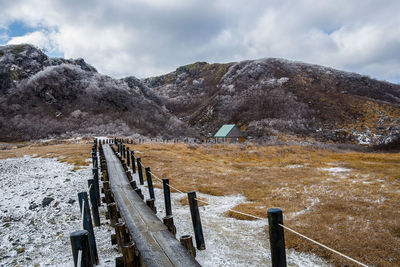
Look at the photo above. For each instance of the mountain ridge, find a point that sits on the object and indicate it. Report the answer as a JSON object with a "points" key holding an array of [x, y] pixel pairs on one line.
{"points": [[271, 99], [264, 91]]}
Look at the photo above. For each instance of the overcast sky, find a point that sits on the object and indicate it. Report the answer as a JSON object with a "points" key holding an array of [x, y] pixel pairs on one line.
{"points": [[152, 37]]}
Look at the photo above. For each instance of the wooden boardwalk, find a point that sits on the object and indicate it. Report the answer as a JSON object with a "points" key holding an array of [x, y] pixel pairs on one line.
{"points": [[157, 246]]}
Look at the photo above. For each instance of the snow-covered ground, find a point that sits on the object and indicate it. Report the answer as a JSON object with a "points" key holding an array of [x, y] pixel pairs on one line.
{"points": [[35, 235]]}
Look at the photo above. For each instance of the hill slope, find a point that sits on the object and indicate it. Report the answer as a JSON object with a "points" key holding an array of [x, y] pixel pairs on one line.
{"points": [[274, 97], [268, 98], [42, 97]]}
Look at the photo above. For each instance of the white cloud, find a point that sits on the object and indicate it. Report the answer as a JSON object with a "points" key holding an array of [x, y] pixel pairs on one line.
{"points": [[40, 39], [145, 38]]}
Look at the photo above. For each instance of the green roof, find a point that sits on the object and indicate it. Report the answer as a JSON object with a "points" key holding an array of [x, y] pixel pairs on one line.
{"points": [[226, 129]]}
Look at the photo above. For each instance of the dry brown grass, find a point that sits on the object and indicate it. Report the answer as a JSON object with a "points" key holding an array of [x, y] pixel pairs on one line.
{"points": [[185, 201], [72, 153], [356, 212]]}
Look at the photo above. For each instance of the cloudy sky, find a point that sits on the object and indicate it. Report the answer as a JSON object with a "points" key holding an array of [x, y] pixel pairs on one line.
{"points": [[151, 37]]}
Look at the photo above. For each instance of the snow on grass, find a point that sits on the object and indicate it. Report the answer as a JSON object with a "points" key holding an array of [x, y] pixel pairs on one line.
{"points": [[336, 170], [33, 233], [229, 242]]}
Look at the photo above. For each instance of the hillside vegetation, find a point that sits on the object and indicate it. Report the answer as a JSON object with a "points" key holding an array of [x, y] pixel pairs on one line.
{"points": [[271, 97]]}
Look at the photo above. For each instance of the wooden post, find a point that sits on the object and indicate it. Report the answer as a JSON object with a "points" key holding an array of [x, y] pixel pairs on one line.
{"points": [[150, 183], [108, 196], [119, 262], [140, 171], [133, 184], [276, 238], [106, 185], [94, 159], [139, 192], [120, 232], [129, 254], [169, 222], [128, 158], [167, 197], [80, 242], [133, 161], [114, 239], [113, 213], [87, 224], [194, 211], [187, 242], [129, 175], [150, 203], [96, 185], [93, 201], [123, 151]]}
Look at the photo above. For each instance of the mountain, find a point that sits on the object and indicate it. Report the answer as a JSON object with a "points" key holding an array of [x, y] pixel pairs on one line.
{"points": [[42, 97], [276, 97], [270, 99]]}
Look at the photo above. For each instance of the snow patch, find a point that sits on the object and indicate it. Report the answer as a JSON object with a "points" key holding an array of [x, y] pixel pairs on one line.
{"points": [[336, 170], [31, 233]]}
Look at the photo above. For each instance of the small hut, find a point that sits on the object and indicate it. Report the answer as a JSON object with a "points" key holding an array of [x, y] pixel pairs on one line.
{"points": [[230, 133]]}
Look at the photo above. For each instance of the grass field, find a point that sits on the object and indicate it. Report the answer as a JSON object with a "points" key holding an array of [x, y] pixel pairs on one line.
{"points": [[77, 153], [349, 201]]}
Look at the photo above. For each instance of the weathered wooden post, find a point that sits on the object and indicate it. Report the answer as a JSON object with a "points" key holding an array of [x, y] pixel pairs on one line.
{"points": [[129, 175], [187, 242], [94, 159], [133, 184], [112, 207], [167, 197], [149, 183], [276, 238], [80, 242], [133, 161], [129, 254], [93, 201], [139, 192], [140, 171], [194, 211], [96, 185], [150, 204], [108, 196], [169, 222], [87, 224], [128, 158], [120, 232]]}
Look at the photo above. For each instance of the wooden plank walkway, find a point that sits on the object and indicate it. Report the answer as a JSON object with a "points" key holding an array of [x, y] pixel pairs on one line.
{"points": [[157, 246]]}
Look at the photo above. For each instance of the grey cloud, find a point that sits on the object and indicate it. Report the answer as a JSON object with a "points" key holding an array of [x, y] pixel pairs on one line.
{"points": [[146, 38]]}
